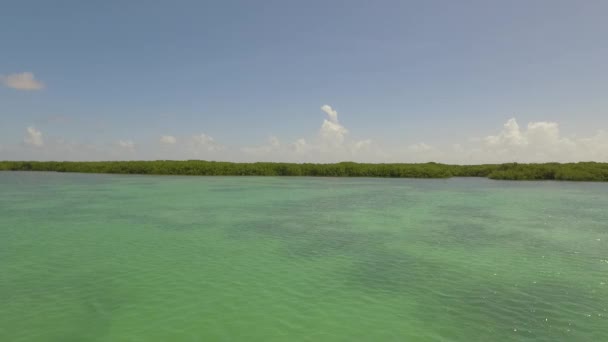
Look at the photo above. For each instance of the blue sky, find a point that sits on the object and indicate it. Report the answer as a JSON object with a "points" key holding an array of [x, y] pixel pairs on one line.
{"points": [[410, 80]]}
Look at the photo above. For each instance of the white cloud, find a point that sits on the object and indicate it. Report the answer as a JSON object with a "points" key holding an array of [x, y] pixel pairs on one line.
{"points": [[330, 145], [509, 136], [22, 81], [332, 132], [301, 146], [168, 140], [362, 145], [58, 149], [33, 137], [596, 147], [333, 115], [540, 141], [537, 142], [127, 145], [420, 147], [204, 142], [273, 146]]}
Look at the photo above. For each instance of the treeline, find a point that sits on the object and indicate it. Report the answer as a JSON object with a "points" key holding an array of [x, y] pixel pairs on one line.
{"points": [[587, 171]]}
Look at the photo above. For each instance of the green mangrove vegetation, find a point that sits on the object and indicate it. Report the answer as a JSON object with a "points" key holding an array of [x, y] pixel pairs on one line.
{"points": [[583, 171]]}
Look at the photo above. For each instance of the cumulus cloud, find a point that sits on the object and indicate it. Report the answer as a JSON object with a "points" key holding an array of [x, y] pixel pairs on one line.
{"points": [[509, 136], [331, 113], [336, 145], [596, 147], [33, 137], [273, 146], [362, 145], [330, 145], [39, 146], [301, 145], [22, 81], [540, 141], [332, 131], [198, 146], [204, 142], [127, 145], [537, 142], [168, 140]]}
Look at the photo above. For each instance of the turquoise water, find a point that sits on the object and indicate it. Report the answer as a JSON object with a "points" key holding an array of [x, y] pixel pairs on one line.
{"points": [[144, 258]]}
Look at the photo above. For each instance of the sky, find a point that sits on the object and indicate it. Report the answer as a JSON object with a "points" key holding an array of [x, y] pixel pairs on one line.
{"points": [[305, 81]]}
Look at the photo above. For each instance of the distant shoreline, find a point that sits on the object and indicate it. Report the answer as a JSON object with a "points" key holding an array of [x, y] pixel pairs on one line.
{"points": [[583, 171]]}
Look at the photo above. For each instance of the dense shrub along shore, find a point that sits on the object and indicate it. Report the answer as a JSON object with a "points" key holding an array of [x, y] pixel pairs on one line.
{"points": [[584, 171]]}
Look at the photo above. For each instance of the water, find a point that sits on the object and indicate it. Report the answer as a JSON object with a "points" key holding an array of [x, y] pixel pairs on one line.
{"points": [[146, 258]]}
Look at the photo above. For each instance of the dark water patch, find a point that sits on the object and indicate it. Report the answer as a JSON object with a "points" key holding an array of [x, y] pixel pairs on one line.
{"points": [[466, 233], [383, 270], [100, 296], [308, 240], [139, 220], [539, 310]]}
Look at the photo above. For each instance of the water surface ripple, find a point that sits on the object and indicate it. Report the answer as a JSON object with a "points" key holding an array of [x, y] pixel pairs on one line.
{"points": [[147, 258]]}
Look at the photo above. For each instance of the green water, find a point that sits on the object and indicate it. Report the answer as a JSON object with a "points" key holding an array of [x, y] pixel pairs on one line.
{"points": [[145, 258]]}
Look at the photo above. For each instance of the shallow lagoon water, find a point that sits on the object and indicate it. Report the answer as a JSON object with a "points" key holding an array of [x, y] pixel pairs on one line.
{"points": [[158, 258]]}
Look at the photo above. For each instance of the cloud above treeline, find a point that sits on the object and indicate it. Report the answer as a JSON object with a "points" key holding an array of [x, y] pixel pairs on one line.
{"points": [[168, 140], [33, 137], [22, 81], [540, 142], [534, 142]]}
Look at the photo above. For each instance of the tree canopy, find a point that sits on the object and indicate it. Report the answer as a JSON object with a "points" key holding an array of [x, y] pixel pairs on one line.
{"points": [[583, 171]]}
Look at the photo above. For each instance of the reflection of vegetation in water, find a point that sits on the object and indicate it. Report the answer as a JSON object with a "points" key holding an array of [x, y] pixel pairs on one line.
{"points": [[587, 171]]}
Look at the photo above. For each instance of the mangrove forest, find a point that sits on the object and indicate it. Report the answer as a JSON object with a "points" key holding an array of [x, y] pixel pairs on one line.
{"points": [[582, 171]]}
